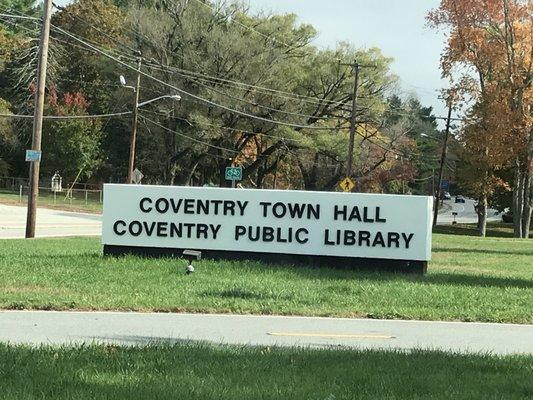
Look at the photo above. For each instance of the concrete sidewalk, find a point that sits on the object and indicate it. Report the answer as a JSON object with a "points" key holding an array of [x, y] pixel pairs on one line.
{"points": [[49, 223], [49, 327]]}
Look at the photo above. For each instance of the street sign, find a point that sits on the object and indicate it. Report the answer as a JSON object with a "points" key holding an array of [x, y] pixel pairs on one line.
{"points": [[347, 184], [233, 173], [137, 176], [155, 219], [33, 155], [445, 184]]}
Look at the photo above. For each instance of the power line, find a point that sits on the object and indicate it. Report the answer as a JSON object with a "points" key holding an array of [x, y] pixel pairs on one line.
{"points": [[255, 104], [96, 49], [19, 16], [150, 63], [213, 89], [224, 148], [237, 130], [190, 137], [279, 93], [243, 86], [427, 178], [35, 19], [275, 92], [395, 112], [185, 93], [183, 72], [65, 117], [196, 80], [72, 44], [365, 138], [87, 23]]}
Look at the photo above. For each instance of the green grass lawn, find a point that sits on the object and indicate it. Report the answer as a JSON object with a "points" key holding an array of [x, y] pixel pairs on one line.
{"points": [[469, 279], [46, 200], [198, 371]]}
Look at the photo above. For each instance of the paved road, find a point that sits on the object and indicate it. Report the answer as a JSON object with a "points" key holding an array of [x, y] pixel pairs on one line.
{"points": [[48, 327], [466, 213], [49, 223]]}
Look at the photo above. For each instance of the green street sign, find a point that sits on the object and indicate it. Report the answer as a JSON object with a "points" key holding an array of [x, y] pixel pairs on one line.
{"points": [[234, 173]]}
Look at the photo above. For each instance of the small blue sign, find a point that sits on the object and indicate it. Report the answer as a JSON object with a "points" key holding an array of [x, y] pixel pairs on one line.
{"points": [[445, 184], [33, 155]]}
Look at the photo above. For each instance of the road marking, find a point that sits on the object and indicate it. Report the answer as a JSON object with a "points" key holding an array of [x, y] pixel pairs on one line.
{"points": [[329, 335]]}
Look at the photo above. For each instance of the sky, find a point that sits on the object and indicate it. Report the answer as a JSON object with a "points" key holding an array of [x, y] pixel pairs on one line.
{"points": [[397, 27]]}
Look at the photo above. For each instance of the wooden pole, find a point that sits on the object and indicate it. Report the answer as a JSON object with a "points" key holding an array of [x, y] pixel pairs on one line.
{"points": [[38, 118], [133, 138], [353, 121], [442, 161]]}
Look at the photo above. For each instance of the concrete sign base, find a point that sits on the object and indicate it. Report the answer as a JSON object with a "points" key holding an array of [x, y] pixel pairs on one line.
{"points": [[371, 264]]}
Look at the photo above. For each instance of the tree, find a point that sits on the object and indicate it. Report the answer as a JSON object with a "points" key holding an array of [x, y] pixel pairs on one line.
{"points": [[97, 77], [420, 127], [261, 96], [493, 38], [27, 7], [8, 139], [70, 146], [307, 87]]}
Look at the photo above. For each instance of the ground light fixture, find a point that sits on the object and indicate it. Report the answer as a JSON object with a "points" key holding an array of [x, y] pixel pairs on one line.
{"points": [[191, 255]]}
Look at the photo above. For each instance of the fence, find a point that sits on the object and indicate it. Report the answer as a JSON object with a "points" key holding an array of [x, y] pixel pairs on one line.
{"points": [[80, 194]]}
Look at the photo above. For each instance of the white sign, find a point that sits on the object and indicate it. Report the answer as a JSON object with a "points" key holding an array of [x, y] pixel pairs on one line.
{"points": [[268, 221], [137, 176]]}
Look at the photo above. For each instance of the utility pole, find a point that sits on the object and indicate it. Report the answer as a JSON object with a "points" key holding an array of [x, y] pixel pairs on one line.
{"points": [[356, 67], [232, 164], [442, 160], [133, 138], [432, 181], [38, 118], [353, 119]]}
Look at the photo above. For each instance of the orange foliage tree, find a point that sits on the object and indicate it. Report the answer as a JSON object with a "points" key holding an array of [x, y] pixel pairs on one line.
{"points": [[488, 57]]}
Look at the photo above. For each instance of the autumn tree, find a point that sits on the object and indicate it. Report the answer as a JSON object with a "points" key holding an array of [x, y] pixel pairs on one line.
{"points": [[71, 146], [491, 40]]}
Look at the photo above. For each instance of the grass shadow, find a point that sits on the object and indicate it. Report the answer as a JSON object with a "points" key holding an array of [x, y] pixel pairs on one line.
{"points": [[431, 278], [247, 294], [442, 278], [482, 251], [144, 341]]}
